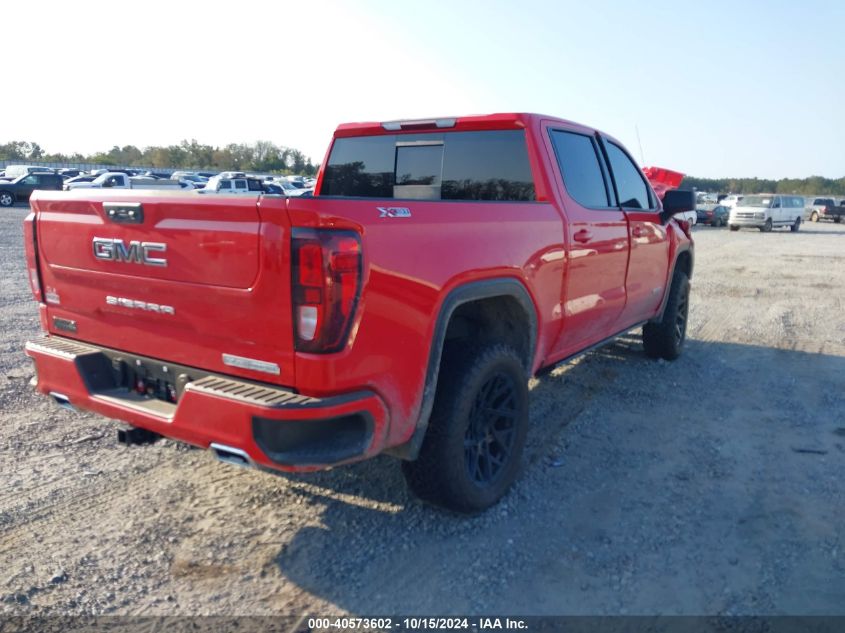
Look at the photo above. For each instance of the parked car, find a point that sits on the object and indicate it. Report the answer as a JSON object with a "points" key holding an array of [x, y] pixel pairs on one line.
{"points": [[824, 209], [160, 175], [383, 315], [10, 172], [274, 188], [82, 178], [731, 200], [768, 211], [716, 216], [239, 184], [197, 180], [20, 189], [289, 189], [119, 180]]}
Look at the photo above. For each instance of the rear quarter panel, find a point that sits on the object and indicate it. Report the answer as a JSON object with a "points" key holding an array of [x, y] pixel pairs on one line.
{"points": [[410, 266]]}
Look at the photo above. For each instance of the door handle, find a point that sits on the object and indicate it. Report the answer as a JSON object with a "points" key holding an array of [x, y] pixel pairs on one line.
{"points": [[637, 231], [582, 236]]}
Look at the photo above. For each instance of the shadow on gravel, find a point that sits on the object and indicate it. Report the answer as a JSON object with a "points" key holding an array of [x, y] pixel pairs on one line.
{"points": [[708, 485]]}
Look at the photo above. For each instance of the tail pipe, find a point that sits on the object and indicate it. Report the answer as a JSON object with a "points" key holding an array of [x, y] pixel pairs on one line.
{"points": [[62, 400], [230, 455]]}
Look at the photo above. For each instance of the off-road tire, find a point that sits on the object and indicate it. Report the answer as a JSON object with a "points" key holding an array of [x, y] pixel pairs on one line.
{"points": [[451, 461], [665, 339], [796, 226], [7, 199]]}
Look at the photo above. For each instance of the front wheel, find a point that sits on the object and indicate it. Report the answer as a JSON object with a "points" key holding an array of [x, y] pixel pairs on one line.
{"points": [[665, 339], [6, 199], [473, 447], [796, 225], [767, 227]]}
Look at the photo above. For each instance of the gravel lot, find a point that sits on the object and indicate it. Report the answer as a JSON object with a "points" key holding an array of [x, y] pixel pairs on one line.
{"points": [[710, 485]]}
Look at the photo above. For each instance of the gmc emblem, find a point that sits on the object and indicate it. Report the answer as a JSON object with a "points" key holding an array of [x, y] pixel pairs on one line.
{"points": [[137, 252]]}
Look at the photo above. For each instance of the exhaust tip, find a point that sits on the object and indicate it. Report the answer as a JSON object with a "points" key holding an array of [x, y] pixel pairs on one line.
{"points": [[230, 455], [62, 400]]}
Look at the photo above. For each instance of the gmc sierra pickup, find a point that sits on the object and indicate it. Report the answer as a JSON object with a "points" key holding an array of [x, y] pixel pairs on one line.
{"points": [[401, 309]]}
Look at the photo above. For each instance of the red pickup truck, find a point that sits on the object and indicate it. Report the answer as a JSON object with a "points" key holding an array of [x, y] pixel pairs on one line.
{"points": [[402, 309]]}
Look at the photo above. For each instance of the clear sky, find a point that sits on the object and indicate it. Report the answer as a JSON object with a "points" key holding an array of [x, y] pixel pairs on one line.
{"points": [[715, 88]]}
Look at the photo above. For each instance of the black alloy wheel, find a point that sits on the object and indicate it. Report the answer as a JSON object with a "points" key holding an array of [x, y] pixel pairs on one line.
{"points": [[490, 434]]}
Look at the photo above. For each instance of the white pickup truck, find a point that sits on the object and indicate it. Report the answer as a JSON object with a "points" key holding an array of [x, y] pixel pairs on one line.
{"points": [[119, 180]]}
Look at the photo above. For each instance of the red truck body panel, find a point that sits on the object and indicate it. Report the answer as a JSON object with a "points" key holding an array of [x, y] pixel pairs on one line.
{"points": [[589, 276], [227, 277]]}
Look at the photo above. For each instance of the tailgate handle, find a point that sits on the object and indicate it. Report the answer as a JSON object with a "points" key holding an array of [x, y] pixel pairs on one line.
{"points": [[124, 212]]}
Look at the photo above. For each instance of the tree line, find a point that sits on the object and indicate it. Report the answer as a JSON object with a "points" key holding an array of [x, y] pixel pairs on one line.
{"points": [[261, 156], [814, 185]]}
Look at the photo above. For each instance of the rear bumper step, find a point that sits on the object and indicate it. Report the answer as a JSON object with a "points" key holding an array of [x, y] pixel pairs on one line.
{"points": [[243, 422]]}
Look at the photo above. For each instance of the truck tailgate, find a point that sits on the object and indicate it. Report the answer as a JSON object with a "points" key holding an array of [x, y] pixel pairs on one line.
{"points": [[197, 280]]}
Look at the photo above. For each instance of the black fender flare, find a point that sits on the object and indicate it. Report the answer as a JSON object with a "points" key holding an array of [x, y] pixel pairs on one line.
{"points": [[472, 291]]}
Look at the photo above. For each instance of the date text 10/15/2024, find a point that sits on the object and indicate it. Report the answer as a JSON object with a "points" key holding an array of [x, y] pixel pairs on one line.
{"points": [[416, 624]]}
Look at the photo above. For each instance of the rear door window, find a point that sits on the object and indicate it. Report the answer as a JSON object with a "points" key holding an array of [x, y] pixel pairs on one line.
{"points": [[486, 165], [580, 166]]}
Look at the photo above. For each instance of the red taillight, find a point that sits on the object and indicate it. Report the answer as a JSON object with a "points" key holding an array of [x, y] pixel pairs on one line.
{"points": [[30, 247], [326, 284]]}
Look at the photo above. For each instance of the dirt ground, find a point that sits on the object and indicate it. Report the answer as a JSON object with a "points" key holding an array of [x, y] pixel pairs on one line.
{"points": [[712, 485]]}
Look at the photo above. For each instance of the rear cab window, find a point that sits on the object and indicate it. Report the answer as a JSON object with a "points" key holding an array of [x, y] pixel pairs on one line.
{"points": [[483, 165]]}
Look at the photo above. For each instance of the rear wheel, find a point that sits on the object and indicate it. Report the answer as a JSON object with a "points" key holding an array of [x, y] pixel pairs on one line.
{"points": [[796, 225], [473, 447], [6, 199], [814, 217], [665, 339]]}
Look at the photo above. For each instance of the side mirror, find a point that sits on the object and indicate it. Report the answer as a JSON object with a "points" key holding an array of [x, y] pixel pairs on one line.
{"points": [[677, 201]]}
